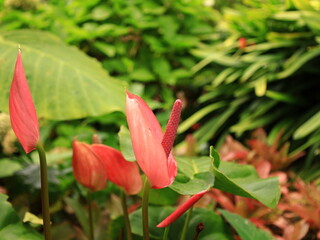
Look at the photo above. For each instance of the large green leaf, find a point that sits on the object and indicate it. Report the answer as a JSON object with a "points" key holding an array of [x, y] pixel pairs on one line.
{"points": [[194, 175], [214, 227], [245, 228], [244, 181], [64, 82]]}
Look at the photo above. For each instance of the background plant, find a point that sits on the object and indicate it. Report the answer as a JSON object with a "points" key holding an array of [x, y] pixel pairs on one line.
{"points": [[160, 50]]}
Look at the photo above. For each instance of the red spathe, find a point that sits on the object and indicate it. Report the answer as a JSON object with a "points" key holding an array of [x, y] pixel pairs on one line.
{"points": [[121, 172], [22, 111], [87, 167], [146, 135]]}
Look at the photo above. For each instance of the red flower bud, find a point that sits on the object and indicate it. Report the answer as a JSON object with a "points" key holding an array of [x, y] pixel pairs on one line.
{"points": [[88, 167], [22, 111]]}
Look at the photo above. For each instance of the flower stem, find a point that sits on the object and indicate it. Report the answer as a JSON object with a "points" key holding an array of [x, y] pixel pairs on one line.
{"points": [[91, 231], [145, 202], [166, 233], [126, 215], [186, 224], [44, 192]]}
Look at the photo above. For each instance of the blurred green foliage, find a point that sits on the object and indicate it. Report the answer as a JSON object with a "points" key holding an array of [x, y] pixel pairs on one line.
{"points": [[145, 42], [264, 74]]}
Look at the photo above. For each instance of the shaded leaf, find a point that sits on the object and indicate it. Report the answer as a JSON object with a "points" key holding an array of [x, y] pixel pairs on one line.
{"points": [[245, 228]]}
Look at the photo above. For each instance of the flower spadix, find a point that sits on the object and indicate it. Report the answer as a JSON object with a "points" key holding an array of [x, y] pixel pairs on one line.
{"points": [[22, 111], [120, 172], [151, 146], [88, 167]]}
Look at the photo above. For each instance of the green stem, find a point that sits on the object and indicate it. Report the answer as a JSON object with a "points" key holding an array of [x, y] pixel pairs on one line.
{"points": [[145, 202], [186, 224], [126, 215], [91, 231], [44, 192], [166, 233]]}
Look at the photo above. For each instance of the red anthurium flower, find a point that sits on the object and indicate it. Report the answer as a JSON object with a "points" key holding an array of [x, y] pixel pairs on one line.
{"points": [[121, 172], [88, 167], [23, 115], [181, 210], [151, 147]]}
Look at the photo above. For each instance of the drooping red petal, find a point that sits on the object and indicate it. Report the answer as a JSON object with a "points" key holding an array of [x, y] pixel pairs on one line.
{"points": [[121, 172], [146, 136], [181, 210], [22, 111], [88, 168]]}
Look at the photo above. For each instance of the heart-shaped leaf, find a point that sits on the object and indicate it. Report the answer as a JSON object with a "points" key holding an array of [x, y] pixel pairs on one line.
{"points": [[194, 175], [64, 82], [198, 174], [244, 181]]}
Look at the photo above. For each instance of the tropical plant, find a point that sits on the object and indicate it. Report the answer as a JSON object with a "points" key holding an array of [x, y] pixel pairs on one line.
{"points": [[267, 66]]}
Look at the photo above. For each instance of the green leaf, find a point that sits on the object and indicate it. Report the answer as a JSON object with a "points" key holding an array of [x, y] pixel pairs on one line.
{"points": [[307, 56], [80, 212], [215, 157], [8, 215], [185, 125], [8, 167], [308, 127], [64, 82], [156, 215], [243, 180], [19, 231], [260, 86], [245, 228], [193, 176], [108, 49], [164, 196], [214, 226], [10, 225], [282, 97], [142, 74], [126, 144], [101, 13]]}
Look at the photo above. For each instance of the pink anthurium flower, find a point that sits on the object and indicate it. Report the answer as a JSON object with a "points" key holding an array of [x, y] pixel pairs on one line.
{"points": [[22, 111], [88, 167], [121, 172], [151, 146], [181, 210]]}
